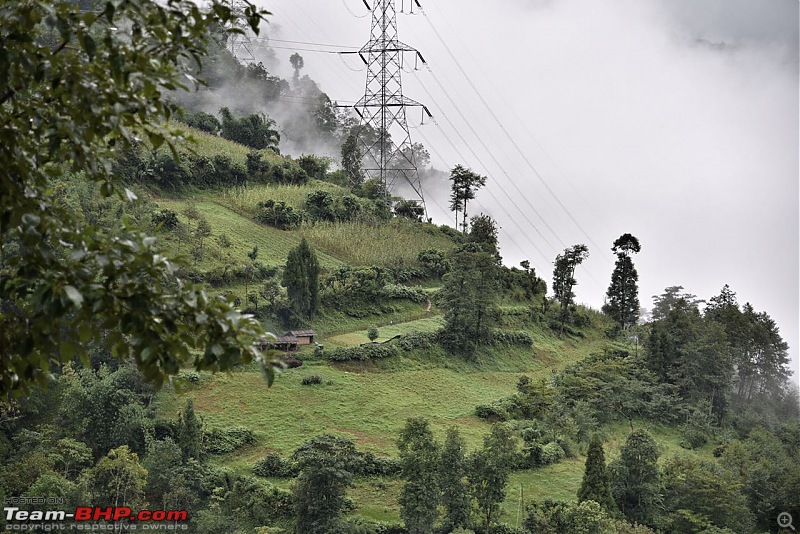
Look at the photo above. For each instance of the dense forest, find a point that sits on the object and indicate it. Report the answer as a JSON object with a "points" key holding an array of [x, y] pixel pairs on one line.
{"points": [[150, 241]]}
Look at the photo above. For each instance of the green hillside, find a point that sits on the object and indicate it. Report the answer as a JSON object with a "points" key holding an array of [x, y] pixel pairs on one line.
{"points": [[367, 402]]}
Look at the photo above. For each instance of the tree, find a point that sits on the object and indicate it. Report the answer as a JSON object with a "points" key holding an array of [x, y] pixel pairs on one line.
{"points": [[202, 232], [301, 279], [662, 304], [483, 230], [190, 433], [587, 517], [453, 469], [77, 88], [623, 293], [270, 292], [256, 131], [596, 485], [372, 333], [692, 353], [762, 360], [468, 298], [419, 462], [118, 479], [297, 64], [465, 184], [635, 478], [162, 461], [491, 467], [248, 273], [707, 490], [564, 277], [326, 471]]}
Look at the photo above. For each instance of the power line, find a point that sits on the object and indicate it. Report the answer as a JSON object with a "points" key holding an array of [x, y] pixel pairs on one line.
{"points": [[508, 136], [308, 50], [488, 190], [270, 39], [509, 237], [499, 165]]}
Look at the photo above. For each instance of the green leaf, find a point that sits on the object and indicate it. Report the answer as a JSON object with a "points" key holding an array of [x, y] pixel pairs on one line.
{"points": [[67, 350], [74, 295]]}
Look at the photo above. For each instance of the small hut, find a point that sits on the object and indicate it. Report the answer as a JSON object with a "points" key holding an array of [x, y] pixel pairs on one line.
{"points": [[285, 343], [304, 337]]}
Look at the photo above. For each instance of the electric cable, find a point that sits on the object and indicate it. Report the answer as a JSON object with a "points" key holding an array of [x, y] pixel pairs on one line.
{"points": [[509, 137]]}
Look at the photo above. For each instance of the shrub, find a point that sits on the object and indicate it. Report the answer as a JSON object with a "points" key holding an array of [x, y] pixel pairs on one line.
{"points": [[256, 131], [166, 171], [192, 377], [289, 172], [314, 166], [417, 340], [401, 275], [292, 363], [434, 262], [226, 441], [226, 172], [311, 380], [372, 333], [277, 214], [273, 466], [454, 235], [504, 528], [362, 353], [205, 122], [409, 209], [382, 466], [532, 452], [398, 292], [166, 219], [552, 453], [224, 241], [693, 439], [568, 446], [505, 337], [496, 411], [319, 205], [581, 320], [257, 169]]}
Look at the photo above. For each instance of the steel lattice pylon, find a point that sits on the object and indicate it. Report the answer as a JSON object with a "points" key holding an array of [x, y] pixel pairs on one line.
{"points": [[239, 44], [384, 139]]}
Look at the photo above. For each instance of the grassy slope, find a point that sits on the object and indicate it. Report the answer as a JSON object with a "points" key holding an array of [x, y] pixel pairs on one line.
{"points": [[369, 402]]}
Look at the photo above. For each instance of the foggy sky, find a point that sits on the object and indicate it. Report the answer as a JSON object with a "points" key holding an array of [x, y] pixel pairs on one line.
{"points": [[674, 120]]}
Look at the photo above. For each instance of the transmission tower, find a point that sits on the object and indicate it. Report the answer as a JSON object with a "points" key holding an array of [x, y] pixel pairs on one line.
{"points": [[384, 137], [239, 44]]}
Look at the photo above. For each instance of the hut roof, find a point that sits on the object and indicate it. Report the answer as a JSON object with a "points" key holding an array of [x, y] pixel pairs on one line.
{"points": [[301, 333]]}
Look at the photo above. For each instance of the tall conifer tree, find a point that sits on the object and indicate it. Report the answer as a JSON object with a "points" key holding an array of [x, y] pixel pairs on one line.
{"points": [[596, 485], [623, 293], [301, 279]]}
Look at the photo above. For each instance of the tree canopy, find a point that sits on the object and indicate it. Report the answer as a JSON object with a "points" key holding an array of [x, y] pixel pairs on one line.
{"points": [[465, 183], [76, 87], [564, 277]]}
